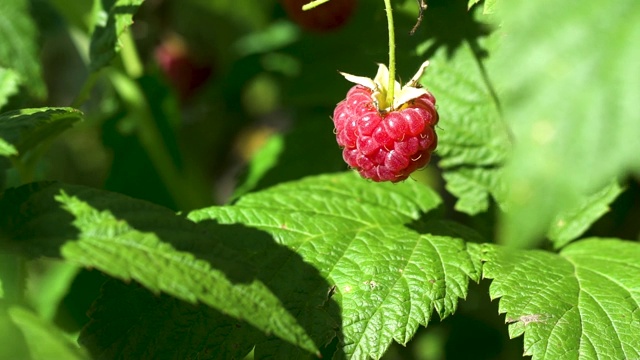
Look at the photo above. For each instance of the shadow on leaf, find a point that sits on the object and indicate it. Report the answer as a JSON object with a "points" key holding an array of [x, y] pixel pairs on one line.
{"points": [[170, 255]]}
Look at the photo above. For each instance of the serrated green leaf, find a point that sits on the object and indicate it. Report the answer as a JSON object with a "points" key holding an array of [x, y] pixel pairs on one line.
{"points": [[583, 303], [568, 225], [109, 25], [129, 322], [133, 239], [388, 278], [18, 45], [26, 128], [472, 140], [572, 104], [44, 340], [9, 81]]}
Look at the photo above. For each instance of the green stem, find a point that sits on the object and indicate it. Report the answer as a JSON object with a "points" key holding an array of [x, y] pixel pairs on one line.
{"points": [[392, 53], [184, 191], [129, 55]]}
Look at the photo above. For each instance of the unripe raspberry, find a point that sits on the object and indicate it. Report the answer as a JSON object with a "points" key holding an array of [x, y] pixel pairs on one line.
{"points": [[386, 143]]}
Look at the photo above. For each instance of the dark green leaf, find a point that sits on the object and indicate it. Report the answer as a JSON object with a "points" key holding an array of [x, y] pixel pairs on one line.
{"points": [[132, 239], [110, 24], [26, 128], [472, 139]]}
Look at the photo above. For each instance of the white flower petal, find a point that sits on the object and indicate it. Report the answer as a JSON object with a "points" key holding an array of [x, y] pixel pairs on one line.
{"points": [[407, 94], [382, 77], [414, 80]]}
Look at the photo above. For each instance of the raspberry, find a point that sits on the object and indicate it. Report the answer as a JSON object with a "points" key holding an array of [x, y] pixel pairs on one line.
{"points": [[386, 143], [326, 17]]}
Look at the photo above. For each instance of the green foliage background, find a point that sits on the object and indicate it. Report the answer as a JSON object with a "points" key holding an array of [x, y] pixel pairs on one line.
{"points": [[146, 214]]}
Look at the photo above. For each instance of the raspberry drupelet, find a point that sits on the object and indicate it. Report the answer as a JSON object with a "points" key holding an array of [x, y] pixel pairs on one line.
{"points": [[386, 142]]}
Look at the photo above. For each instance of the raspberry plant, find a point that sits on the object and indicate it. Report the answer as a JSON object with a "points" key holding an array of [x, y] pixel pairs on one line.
{"points": [[138, 220]]}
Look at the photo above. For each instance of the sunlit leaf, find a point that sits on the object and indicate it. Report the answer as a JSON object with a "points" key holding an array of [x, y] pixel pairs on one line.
{"points": [[388, 278], [7, 149], [44, 340], [579, 304], [9, 81]]}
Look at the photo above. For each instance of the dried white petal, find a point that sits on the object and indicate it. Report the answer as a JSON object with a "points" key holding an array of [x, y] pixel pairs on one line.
{"points": [[379, 86], [414, 80], [360, 80], [407, 94]]}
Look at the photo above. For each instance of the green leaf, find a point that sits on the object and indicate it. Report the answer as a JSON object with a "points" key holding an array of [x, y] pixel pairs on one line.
{"points": [[472, 139], [572, 104], [44, 340], [387, 278], [14, 344], [471, 3], [9, 81], [583, 303], [263, 161], [46, 293], [129, 322], [131, 239], [76, 13], [18, 45], [26, 128], [569, 225], [7, 149], [489, 6], [110, 24]]}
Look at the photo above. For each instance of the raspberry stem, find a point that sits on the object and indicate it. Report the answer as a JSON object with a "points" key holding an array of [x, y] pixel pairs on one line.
{"points": [[392, 53]]}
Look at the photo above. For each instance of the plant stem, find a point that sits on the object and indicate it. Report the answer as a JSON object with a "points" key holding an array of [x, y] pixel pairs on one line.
{"points": [[392, 53], [185, 191], [129, 55]]}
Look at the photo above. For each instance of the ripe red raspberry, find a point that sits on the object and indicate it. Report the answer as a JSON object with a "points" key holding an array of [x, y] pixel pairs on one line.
{"points": [[386, 143]]}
